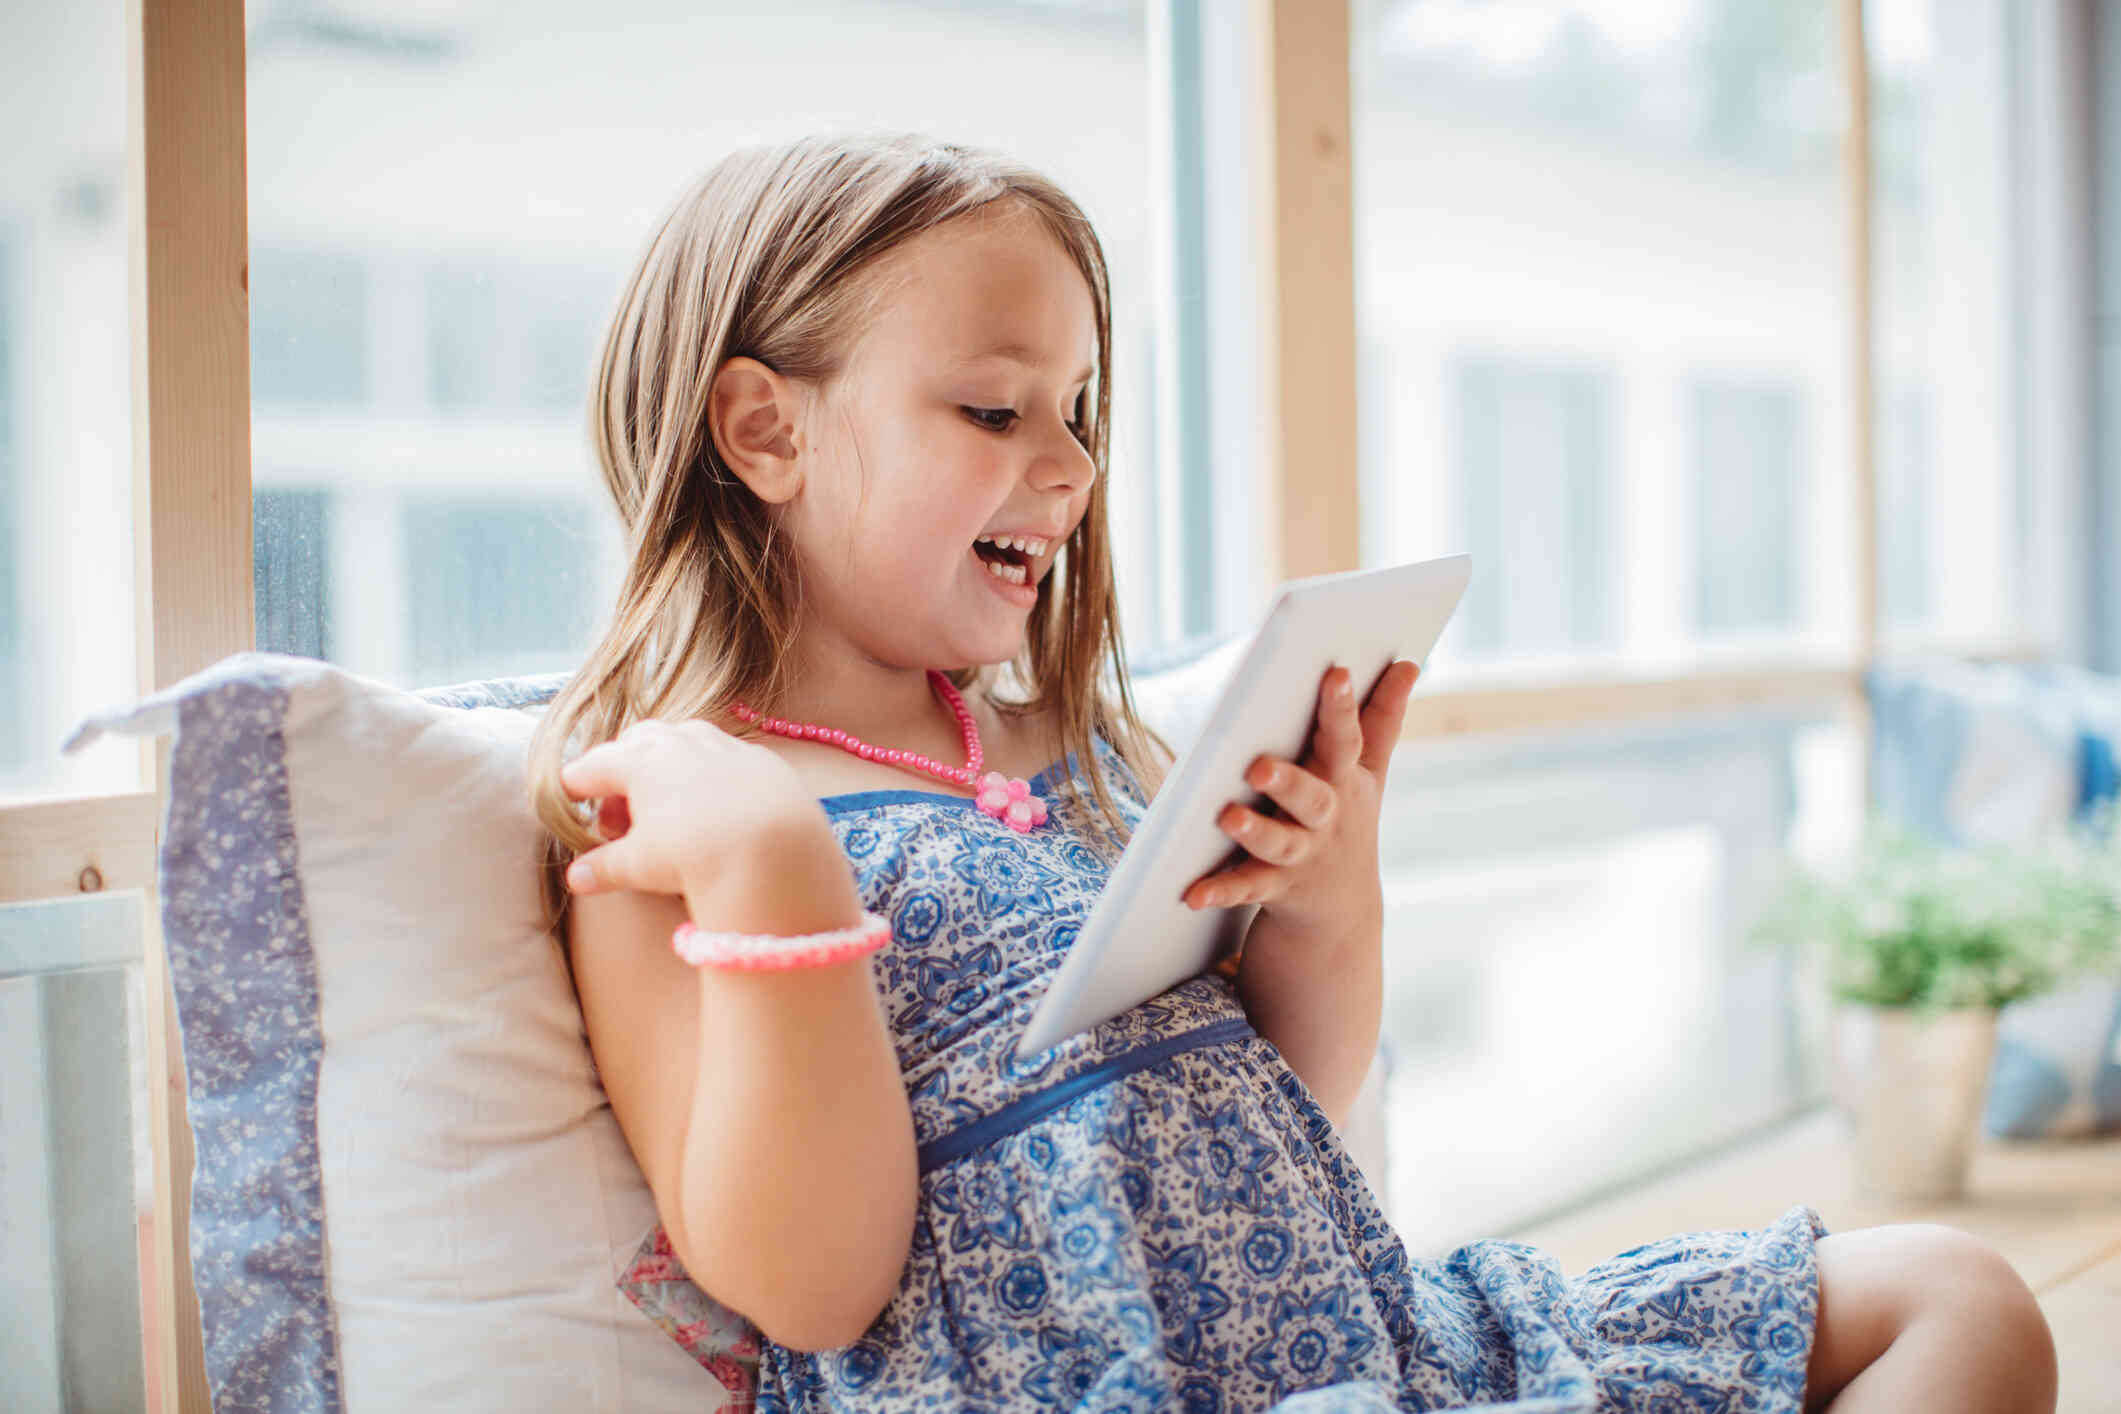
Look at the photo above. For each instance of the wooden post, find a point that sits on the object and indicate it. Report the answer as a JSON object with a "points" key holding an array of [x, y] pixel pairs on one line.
{"points": [[190, 327], [1310, 477], [1856, 170]]}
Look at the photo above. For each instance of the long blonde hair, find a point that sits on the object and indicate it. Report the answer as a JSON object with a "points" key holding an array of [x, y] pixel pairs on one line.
{"points": [[764, 257]]}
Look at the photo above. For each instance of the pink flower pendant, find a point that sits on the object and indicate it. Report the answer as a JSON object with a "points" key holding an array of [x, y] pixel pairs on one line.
{"points": [[1011, 802]]}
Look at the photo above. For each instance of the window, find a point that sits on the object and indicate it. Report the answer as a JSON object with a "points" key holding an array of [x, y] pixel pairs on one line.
{"points": [[1568, 217], [291, 570], [463, 337], [1533, 471], [1748, 464], [15, 697], [1904, 508], [501, 338], [66, 405], [496, 587], [309, 318], [1563, 972], [430, 367], [1601, 260], [1948, 206]]}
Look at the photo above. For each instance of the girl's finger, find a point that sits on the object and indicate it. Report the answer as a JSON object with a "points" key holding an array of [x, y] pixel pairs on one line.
{"points": [[597, 871], [1338, 740], [601, 770], [1307, 799], [1276, 841], [1253, 881], [1385, 715]]}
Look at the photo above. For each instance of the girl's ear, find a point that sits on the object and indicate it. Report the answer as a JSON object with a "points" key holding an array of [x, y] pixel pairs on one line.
{"points": [[752, 416]]}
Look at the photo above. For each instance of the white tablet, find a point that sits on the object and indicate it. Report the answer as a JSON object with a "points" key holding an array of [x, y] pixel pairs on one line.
{"points": [[1140, 939]]}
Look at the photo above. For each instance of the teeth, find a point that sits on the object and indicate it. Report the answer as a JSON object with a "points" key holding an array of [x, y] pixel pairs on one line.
{"points": [[1029, 545], [1015, 574]]}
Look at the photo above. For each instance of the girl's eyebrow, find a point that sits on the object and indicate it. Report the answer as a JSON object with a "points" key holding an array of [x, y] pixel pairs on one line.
{"points": [[1023, 354]]}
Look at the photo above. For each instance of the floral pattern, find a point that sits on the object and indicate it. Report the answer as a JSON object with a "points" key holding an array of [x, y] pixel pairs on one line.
{"points": [[1156, 1214], [723, 1342], [246, 984]]}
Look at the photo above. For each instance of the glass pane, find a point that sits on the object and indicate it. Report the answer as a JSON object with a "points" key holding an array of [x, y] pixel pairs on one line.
{"points": [[444, 203], [1943, 206], [66, 542], [76, 1172], [1601, 286], [1570, 998], [482, 603]]}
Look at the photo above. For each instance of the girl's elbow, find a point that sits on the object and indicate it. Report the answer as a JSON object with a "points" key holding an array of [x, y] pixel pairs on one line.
{"points": [[834, 1312], [817, 1301], [823, 1324]]}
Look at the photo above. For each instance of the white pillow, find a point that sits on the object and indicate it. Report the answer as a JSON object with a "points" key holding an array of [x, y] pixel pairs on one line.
{"points": [[410, 1191]]}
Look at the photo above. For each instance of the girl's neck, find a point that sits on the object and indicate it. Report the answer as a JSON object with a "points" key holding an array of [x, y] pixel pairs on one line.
{"points": [[886, 706]]}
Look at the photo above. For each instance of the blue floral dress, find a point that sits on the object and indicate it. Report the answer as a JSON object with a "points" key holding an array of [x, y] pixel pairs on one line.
{"points": [[1157, 1215]]}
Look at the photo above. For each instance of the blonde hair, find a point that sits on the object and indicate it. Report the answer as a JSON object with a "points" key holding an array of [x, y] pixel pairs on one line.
{"points": [[765, 257]]}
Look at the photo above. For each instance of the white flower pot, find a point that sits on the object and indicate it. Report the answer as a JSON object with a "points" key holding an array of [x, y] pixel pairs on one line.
{"points": [[1911, 1085]]}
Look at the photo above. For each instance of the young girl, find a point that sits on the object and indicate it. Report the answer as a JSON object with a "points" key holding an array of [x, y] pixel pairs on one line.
{"points": [[860, 752]]}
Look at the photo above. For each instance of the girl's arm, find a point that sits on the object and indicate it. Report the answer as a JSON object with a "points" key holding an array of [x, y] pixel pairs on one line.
{"points": [[1311, 974], [765, 1108], [1320, 1006], [1319, 998]]}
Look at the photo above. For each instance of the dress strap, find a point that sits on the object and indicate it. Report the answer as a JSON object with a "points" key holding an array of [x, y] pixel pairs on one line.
{"points": [[1018, 1114]]}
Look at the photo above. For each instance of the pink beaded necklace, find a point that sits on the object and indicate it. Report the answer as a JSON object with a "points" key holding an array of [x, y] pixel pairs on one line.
{"points": [[1007, 799]]}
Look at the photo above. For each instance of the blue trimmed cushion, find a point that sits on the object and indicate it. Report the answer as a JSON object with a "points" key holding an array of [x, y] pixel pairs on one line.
{"points": [[410, 1191], [1971, 753]]}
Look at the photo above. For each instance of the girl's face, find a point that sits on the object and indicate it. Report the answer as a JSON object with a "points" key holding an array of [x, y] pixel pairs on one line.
{"points": [[961, 412]]}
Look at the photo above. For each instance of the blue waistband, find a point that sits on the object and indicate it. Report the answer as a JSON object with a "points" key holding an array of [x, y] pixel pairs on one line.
{"points": [[1018, 1113]]}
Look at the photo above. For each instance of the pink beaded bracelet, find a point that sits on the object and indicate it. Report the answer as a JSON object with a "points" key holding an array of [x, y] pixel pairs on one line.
{"points": [[776, 952]]}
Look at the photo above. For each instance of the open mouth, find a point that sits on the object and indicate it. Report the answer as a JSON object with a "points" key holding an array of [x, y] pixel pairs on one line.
{"points": [[1003, 563]]}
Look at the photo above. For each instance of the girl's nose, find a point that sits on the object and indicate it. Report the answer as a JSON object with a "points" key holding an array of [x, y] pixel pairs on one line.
{"points": [[1063, 461]]}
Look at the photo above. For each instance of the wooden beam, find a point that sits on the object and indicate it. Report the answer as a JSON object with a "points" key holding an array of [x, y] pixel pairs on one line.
{"points": [[1863, 446], [85, 844], [1309, 473], [1590, 702], [191, 336], [189, 248]]}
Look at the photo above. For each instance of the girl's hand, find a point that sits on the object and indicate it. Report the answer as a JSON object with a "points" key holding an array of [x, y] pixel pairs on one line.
{"points": [[682, 804], [1305, 868]]}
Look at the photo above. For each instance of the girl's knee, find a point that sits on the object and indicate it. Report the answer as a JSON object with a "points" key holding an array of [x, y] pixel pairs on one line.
{"points": [[1954, 1269], [1978, 1285], [1876, 1283]]}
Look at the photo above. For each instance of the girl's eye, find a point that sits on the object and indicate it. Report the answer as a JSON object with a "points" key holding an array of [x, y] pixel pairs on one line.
{"points": [[1000, 419]]}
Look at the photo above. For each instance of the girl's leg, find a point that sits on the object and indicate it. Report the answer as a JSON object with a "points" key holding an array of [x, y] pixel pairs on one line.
{"points": [[1919, 1316]]}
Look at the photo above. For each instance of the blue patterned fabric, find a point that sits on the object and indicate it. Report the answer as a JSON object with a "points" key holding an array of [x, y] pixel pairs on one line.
{"points": [[246, 985], [1156, 1214]]}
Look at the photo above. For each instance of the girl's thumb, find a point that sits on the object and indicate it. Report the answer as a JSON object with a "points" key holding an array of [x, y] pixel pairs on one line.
{"points": [[591, 872]]}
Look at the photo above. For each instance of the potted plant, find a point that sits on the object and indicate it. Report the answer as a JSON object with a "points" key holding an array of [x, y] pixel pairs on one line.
{"points": [[1921, 944]]}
